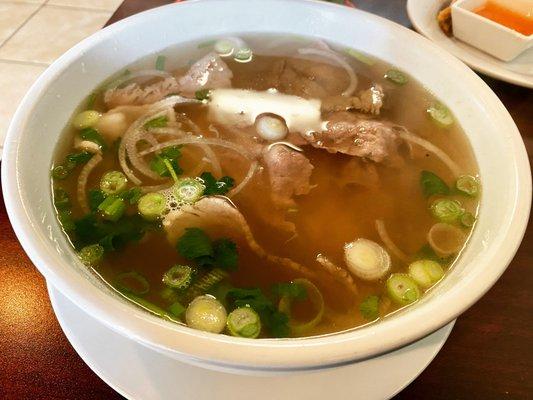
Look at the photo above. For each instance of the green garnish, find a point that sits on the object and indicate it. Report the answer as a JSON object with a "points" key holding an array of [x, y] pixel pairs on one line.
{"points": [[179, 277], [177, 309], [433, 185], [467, 185], [60, 172], [112, 208], [160, 63], [292, 290], [214, 186], [86, 119], [172, 154], [244, 322], [96, 197], [91, 255], [447, 210], [158, 122], [276, 322], [150, 307], [467, 220], [132, 282], [131, 195], [188, 190], [61, 199], [152, 206], [196, 246], [440, 114], [425, 272], [427, 252], [207, 282], [66, 221], [402, 289], [202, 94], [92, 135], [396, 77], [79, 158], [369, 308], [72, 160], [113, 182], [91, 99], [360, 56]]}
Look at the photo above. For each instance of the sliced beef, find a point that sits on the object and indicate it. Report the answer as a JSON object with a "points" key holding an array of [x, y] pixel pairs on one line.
{"points": [[368, 101], [134, 94], [209, 72], [357, 135], [289, 173]]}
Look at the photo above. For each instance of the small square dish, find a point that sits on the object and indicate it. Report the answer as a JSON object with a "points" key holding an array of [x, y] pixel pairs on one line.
{"points": [[495, 38]]}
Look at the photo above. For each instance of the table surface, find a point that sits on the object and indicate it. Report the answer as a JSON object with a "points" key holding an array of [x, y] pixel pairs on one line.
{"points": [[489, 354]]}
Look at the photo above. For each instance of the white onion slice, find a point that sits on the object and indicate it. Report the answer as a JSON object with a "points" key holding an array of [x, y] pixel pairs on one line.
{"points": [[385, 238], [82, 181], [446, 239]]}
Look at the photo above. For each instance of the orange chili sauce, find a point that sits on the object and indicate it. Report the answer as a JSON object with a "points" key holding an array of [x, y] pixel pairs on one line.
{"points": [[513, 20]]}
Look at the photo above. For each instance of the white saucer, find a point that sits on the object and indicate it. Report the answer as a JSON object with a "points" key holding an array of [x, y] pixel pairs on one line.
{"points": [[137, 372], [423, 16]]}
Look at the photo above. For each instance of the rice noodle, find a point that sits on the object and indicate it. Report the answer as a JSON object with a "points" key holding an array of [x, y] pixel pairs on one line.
{"points": [[385, 238], [404, 134], [146, 73], [340, 61], [82, 180], [287, 144], [339, 273], [244, 182]]}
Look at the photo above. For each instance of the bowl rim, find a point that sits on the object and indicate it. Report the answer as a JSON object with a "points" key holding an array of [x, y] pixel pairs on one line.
{"points": [[221, 351]]}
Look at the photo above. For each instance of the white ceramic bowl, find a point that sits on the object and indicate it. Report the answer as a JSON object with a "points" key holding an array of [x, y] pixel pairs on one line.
{"points": [[493, 38], [48, 105]]}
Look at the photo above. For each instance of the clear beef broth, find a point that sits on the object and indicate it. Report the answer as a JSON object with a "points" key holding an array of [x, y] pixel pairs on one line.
{"points": [[348, 193]]}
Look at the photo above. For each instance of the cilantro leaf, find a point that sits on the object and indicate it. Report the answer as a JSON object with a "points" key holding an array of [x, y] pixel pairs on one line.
{"points": [[214, 186], [96, 197], [92, 135], [369, 308], [159, 122], [226, 255], [131, 195], [290, 289], [172, 154], [432, 184], [194, 244]]}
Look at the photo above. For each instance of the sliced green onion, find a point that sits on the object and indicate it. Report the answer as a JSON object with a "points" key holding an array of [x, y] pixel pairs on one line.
{"points": [[160, 63], [61, 199], [467, 220], [402, 289], [314, 295], [152, 206], [169, 294], [92, 135], [60, 172], [447, 210], [86, 119], [426, 272], [170, 169], [113, 182], [132, 282], [177, 309], [206, 313], [468, 185], [244, 322], [188, 190], [224, 47], [243, 55], [396, 77], [112, 208], [179, 277], [207, 282], [441, 114], [360, 57], [369, 308], [367, 259], [91, 255]]}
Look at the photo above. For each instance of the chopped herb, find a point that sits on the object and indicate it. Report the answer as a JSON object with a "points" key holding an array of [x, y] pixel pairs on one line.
{"points": [[202, 94], [66, 221], [112, 208], [159, 122], [214, 186], [427, 252], [60, 172], [160, 63], [79, 158], [275, 321], [360, 56], [61, 199], [369, 308], [172, 154], [96, 197], [432, 184], [92, 135], [132, 282], [195, 245], [131, 195], [91, 255], [177, 309], [397, 77], [291, 290]]}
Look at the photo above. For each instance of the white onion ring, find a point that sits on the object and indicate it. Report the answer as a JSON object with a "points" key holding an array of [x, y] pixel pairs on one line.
{"points": [[338, 59], [387, 241], [82, 180], [404, 134]]}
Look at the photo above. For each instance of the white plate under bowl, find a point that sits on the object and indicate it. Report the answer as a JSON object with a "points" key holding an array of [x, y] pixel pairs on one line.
{"points": [[138, 372], [423, 16]]}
